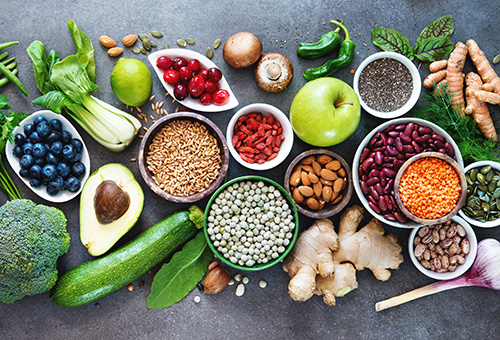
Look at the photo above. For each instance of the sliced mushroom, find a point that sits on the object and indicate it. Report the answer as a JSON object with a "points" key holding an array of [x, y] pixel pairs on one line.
{"points": [[273, 72]]}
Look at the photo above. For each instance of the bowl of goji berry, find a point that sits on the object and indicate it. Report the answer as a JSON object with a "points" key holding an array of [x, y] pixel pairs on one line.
{"points": [[259, 136]]}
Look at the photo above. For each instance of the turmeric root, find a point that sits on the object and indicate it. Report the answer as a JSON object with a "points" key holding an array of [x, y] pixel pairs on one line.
{"points": [[490, 78], [478, 109], [435, 77], [438, 65]]}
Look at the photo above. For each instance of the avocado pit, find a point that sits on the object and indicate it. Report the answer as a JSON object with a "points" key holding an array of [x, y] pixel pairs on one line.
{"points": [[110, 202]]}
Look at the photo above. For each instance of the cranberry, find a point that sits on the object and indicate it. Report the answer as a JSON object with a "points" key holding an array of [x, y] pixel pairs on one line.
{"points": [[164, 63], [171, 77], [178, 62], [185, 74], [214, 74], [220, 97], [206, 99], [204, 73], [211, 87], [180, 91], [196, 85], [194, 65]]}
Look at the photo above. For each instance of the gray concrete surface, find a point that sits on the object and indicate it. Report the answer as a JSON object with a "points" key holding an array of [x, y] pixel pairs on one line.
{"points": [[465, 313]]}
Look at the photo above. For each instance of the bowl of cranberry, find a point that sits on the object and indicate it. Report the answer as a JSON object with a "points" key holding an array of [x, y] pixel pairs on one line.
{"points": [[193, 80]]}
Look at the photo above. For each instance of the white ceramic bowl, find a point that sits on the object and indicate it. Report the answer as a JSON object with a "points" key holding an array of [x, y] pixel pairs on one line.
{"points": [[469, 259], [364, 143], [417, 84], [64, 195], [265, 109], [490, 224], [189, 102]]}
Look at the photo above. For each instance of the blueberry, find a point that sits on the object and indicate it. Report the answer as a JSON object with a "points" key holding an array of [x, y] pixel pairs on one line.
{"points": [[77, 158], [24, 173], [51, 158], [56, 125], [78, 169], [66, 136], [18, 151], [29, 129], [26, 161], [72, 184], [19, 139], [38, 119], [69, 152], [52, 191], [56, 148], [40, 161], [77, 144], [43, 129], [35, 138], [35, 183], [57, 183], [53, 137], [28, 148], [36, 171], [63, 169], [49, 172], [39, 150]]}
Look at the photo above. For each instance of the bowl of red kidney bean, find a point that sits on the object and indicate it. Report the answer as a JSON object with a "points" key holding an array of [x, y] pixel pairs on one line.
{"points": [[259, 136], [380, 155]]}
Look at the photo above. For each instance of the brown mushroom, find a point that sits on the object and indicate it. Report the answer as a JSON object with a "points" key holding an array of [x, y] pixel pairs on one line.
{"points": [[274, 72], [242, 49]]}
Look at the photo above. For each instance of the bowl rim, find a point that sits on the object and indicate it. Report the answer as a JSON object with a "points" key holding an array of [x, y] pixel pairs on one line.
{"points": [[471, 236], [454, 165], [155, 128], [417, 84], [286, 145], [257, 267], [339, 206], [489, 224], [366, 140]]}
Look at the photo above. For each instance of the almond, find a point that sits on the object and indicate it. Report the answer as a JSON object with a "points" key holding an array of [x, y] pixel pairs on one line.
{"points": [[333, 165], [107, 41], [129, 40], [317, 187], [295, 178], [305, 178], [115, 51], [316, 167], [329, 175], [324, 159], [308, 160], [306, 191], [297, 196], [313, 204]]}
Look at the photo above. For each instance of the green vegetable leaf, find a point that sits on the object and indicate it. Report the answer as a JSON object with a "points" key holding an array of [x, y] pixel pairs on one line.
{"points": [[53, 100], [42, 65], [8, 121], [432, 49], [4, 103], [392, 41], [84, 48], [178, 277], [442, 27]]}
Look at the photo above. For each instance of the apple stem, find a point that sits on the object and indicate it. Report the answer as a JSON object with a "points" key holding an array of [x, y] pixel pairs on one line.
{"points": [[343, 103]]}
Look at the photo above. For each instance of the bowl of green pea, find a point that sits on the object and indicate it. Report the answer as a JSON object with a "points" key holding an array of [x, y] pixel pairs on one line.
{"points": [[251, 223]]}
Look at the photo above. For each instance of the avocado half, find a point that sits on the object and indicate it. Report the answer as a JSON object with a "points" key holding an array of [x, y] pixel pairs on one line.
{"points": [[110, 204]]}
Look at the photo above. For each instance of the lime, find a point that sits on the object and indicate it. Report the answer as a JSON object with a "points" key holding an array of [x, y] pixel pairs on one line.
{"points": [[131, 81]]}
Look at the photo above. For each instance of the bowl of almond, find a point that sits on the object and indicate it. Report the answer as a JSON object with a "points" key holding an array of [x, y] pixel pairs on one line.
{"points": [[320, 183]]}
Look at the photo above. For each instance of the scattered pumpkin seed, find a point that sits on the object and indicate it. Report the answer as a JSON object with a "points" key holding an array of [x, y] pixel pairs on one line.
{"points": [[147, 45], [166, 46], [496, 60], [483, 194], [190, 41], [144, 37], [209, 53], [135, 50], [181, 42], [153, 44], [157, 34], [216, 43], [142, 50]]}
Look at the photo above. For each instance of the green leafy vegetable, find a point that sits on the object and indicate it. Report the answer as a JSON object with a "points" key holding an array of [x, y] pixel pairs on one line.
{"points": [[463, 129], [42, 65], [84, 48], [442, 28], [432, 49], [392, 41], [181, 275]]}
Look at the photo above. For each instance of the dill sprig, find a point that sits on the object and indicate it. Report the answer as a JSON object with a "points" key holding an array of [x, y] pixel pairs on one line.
{"points": [[463, 129]]}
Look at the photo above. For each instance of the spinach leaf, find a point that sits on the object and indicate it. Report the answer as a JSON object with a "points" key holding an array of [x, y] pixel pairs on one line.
{"points": [[84, 48], [181, 275], [442, 27], [393, 41], [53, 100], [36, 51], [432, 49]]}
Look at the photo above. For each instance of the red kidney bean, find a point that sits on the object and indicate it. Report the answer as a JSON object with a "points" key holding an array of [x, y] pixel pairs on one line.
{"points": [[400, 217], [381, 204], [392, 150], [397, 164], [360, 170], [442, 151], [422, 139], [388, 202], [398, 144], [390, 140], [449, 149], [409, 154], [389, 128], [409, 128], [364, 187], [378, 143], [425, 130], [379, 188], [378, 157], [400, 127], [393, 133], [438, 137], [389, 172], [415, 146], [372, 181], [390, 217], [401, 156], [389, 186], [404, 137], [364, 154], [407, 148], [367, 163], [374, 193], [371, 199], [393, 202], [374, 173], [414, 134], [383, 138], [374, 207], [364, 177], [438, 144]]}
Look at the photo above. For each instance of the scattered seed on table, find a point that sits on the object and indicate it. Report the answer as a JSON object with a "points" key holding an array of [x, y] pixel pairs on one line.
{"points": [[139, 109], [130, 287], [181, 42], [197, 299], [190, 41], [231, 282], [240, 289], [238, 277], [216, 43], [133, 159], [209, 53], [245, 280], [151, 98], [262, 284]]}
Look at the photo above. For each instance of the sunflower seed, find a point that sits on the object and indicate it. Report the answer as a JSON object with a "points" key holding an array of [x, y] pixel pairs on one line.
{"points": [[147, 45], [144, 37], [157, 34], [135, 50], [166, 46], [209, 53], [181, 43], [216, 43]]}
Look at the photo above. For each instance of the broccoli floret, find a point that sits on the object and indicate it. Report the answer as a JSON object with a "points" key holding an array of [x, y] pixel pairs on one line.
{"points": [[32, 238]]}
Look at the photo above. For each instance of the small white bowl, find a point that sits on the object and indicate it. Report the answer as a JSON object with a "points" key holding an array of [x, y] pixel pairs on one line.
{"points": [[189, 102], [265, 109], [63, 195], [417, 84], [469, 259], [489, 224]]}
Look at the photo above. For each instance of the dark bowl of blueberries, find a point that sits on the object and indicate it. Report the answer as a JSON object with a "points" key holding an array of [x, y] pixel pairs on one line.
{"points": [[49, 156]]}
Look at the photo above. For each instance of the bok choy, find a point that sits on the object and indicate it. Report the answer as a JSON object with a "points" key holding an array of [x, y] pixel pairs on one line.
{"points": [[68, 84]]}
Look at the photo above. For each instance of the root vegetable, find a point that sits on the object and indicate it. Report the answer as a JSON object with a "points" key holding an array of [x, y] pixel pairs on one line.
{"points": [[438, 65], [435, 77], [477, 108], [490, 90]]}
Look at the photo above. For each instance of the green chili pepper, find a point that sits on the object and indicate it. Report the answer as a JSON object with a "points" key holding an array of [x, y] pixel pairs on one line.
{"points": [[346, 54], [12, 77], [326, 44]]}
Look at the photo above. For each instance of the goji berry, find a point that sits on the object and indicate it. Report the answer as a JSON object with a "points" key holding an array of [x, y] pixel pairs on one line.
{"points": [[267, 151], [235, 140], [270, 119], [273, 156], [246, 159], [260, 146], [270, 140]]}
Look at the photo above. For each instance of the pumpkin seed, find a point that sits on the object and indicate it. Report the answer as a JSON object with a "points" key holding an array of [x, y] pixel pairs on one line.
{"points": [[181, 43], [483, 194], [480, 178], [496, 60], [485, 169], [153, 44], [144, 37], [209, 53], [157, 34], [142, 50], [147, 45], [166, 46], [190, 41], [489, 176], [216, 43], [135, 50], [473, 174], [496, 193]]}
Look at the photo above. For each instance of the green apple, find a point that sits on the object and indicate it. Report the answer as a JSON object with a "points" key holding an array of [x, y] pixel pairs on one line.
{"points": [[325, 112]]}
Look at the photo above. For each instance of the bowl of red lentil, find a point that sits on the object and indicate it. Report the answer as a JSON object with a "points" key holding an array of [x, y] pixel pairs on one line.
{"points": [[183, 157], [430, 188], [388, 84]]}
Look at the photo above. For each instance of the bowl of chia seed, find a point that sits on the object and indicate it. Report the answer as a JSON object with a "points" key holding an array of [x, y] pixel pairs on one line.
{"points": [[388, 84]]}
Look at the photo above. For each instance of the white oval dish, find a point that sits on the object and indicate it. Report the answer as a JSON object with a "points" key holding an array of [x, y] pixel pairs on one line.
{"points": [[417, 84], [189, 102], [265, 109], [64, 195]]}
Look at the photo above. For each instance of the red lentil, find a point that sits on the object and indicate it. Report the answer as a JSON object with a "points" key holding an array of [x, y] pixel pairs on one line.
{"points": [[429, 188]]}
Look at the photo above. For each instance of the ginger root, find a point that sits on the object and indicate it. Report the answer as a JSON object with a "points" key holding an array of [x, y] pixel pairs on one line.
{"points": [[324, 263]]}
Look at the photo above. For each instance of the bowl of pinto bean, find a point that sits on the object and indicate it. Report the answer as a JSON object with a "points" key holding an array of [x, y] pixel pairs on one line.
{"points": [[383, 152]]}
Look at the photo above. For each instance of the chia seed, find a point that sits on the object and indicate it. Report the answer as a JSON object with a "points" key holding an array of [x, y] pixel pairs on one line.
{"points": [[385, 85]]}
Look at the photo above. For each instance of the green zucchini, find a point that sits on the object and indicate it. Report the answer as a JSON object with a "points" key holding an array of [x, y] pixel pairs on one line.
{"points": [[94, 279]]}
